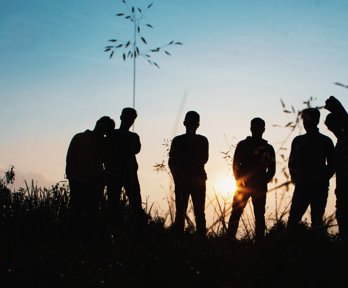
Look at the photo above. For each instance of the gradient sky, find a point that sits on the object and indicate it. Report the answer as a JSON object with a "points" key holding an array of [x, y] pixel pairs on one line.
{"points": [[238, 60]]}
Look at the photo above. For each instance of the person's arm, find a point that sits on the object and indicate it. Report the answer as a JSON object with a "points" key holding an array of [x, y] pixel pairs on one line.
{"points": [[271, 169], [137, 144], [205, 151], [172, 156], [236, 163], [71, 157], [292, 161], [335, 106], [330, 159]]}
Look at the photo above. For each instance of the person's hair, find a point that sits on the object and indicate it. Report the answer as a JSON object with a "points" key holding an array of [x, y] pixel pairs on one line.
{"points": [[192, 116], [311, 114], [129, 112], [257, 122], [105, 123]]}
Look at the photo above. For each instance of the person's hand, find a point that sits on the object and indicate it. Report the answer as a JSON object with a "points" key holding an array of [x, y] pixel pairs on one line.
{"points": [[333, 105]]}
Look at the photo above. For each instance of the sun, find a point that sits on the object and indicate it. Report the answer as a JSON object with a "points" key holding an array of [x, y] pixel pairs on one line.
{"points": [[225, 185]]}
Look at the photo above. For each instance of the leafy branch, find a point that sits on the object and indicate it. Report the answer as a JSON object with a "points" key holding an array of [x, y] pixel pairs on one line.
{"points": [[130, 49]]}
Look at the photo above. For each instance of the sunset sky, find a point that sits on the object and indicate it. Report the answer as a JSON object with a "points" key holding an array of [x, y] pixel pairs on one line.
{"points": [[238, 59]]}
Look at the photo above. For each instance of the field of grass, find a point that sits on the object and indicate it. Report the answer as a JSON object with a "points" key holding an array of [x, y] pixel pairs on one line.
{"points": [[42, 246]]}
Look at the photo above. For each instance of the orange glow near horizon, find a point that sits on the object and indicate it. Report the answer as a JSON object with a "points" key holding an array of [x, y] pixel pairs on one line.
{"points": [[225, 186]]}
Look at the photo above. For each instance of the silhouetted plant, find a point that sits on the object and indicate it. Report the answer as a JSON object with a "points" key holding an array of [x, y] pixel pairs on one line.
{"points": [[341, 84], [133, 48]]}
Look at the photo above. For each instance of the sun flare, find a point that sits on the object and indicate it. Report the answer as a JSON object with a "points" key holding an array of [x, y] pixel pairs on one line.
{"points": [[225, 185]]}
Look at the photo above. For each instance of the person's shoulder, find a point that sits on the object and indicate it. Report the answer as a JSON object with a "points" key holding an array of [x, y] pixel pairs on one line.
{"points": [[134, 134], [200, 136], [244, 141], [178, 137], [269, 146], [299, 138], [324, 136], [265, 143], [83, 134]]}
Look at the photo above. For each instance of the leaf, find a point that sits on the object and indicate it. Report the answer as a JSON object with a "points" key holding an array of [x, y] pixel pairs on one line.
{"points": [[178, 43], [119, 14], [107, 49], [137, 51], [147, 55], [154, 63], [129, 53], [127, 17], [112, 40], [293, 109], [149, 25], [118, 46], [111, 54], [149, 6], [140, 10], [149, 61], [124, 56], [171, 42], [133, 9], [124, 2], [127, 44], [143, 39], [286, 111], [138, 28], [282, 102], [167, 53], [289, 124]]}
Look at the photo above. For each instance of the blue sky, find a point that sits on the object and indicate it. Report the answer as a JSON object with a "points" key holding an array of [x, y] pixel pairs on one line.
{"points": [[238, 60]]}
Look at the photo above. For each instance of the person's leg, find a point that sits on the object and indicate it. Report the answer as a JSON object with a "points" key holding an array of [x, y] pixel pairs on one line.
{"points": [[132, 187], [240, 200], [342, 216], [198, 200], [318, 204], [113, 192], [76, 200], [93, 194], [259, 204], [299, 205], [181, 203]]}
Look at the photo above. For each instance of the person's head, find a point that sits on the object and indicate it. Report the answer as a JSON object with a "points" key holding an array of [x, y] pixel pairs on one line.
{"points": [[334, 124], [128, 117], [191, 121], [310, 118], [257, 127], [104, 125]]}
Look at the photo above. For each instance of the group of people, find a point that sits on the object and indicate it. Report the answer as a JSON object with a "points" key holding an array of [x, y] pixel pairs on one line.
{"points": [[106, 157]]}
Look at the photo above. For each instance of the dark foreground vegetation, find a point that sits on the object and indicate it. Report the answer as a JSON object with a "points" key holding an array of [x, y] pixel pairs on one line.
{"points": [[42, 246]]}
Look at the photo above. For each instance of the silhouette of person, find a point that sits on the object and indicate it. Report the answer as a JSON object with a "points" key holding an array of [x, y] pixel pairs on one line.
{"points": [[253, 168], [309, 164], [337, 123], [122, 167], [188, 154], [84, 168]]}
